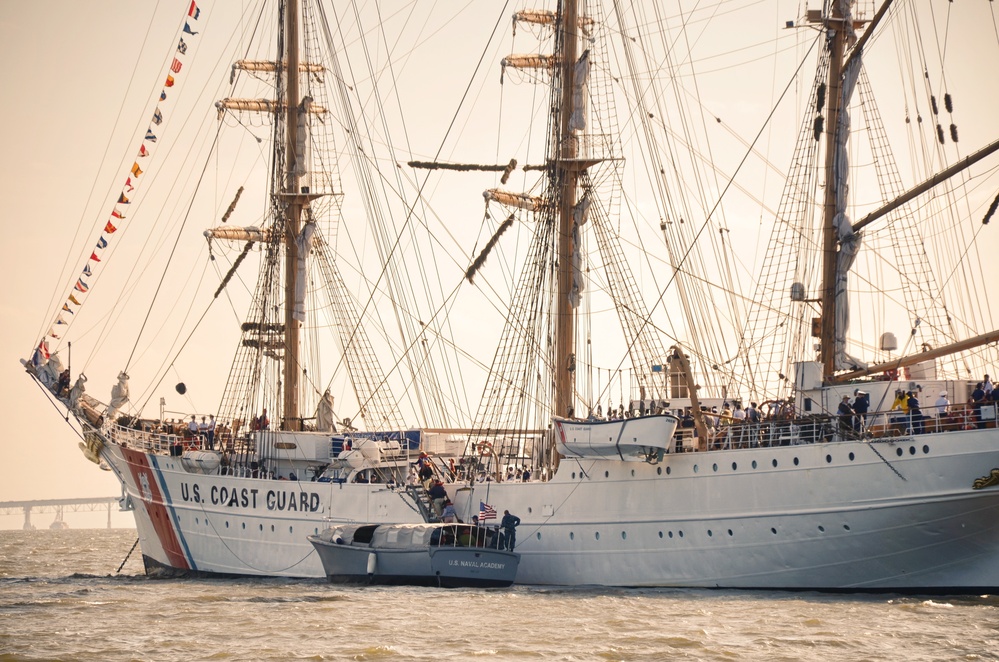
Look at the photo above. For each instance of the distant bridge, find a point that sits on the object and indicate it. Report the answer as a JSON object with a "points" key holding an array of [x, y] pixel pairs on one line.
{"points": [[57, 506]]}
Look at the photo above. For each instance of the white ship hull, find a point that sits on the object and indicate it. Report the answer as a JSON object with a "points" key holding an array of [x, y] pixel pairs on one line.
{"points": [[211, 524], [821, 516]]}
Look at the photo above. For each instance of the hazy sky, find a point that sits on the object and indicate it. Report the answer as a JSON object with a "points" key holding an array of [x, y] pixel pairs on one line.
{"points": [[68, 62], [67, 67]]}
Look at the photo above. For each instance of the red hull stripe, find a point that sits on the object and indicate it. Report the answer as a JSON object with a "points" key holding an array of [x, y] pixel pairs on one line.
{"points": [[146, 479]]}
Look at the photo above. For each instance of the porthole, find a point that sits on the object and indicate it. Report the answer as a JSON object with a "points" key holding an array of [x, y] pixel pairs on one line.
{"points": [[539, 535], [773, 530], [775, 463], [735, 466], [710, 535], [227, 524], [851, 457], [695, 468], [754, 464], [572, 536], [244, 526], [530, 509], [670, 534], [272, 528], [912, 450], [822, 529], [606, 474], [828, 459], [660, 534], [714, 467], [680, 533], [846, 527], [291, 529], [926, 450], [668, 471], [261, 527], [197, 521], [659, 471], [632, 473], [624, 535], [597, 535], [730, 532], [899, 451], [315, 531], [573, 474], [795, 461]]}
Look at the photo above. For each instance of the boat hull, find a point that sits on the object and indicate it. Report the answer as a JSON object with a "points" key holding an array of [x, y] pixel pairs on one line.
{"points": [[191, 524], [851, 515], [858, 516], [447, 567]]}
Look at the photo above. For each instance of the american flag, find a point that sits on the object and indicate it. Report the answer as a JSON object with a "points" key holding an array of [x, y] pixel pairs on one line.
{"points": [[486, 511]]}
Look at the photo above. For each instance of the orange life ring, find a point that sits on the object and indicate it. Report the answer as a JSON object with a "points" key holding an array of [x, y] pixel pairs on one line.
{"points": [[484, 448]]}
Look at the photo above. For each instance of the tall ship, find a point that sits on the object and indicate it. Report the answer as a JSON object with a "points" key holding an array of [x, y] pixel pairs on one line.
{"points": [[728, 429]]}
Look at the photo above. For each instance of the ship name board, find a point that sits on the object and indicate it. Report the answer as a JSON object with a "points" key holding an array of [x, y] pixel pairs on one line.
{"points": [[251, 497]]}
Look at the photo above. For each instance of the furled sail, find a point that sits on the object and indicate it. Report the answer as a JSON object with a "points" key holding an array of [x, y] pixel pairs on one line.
{"points": [[302, 142], [577, 121], [849, 241], [580, 214], [549, 18], [119, 395], [269, 66], [518, 200], [532, 61], [249, 233], [325, 420], [260, 106], [304, 242]]}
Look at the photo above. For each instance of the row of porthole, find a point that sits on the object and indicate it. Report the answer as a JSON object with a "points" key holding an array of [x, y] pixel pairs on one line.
{"points": [[197, 520], [912, 450], [735, 466], [679, 533]]}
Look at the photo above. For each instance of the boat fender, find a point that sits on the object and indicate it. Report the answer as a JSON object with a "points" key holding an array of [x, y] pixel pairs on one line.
{"points": [[372, 563]]}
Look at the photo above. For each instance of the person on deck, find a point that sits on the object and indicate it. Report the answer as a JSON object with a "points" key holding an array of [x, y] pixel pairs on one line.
{"points": [[438, 495], [915, 413], [509, 524], [943, 407], [449, 515], [861, 405], [977, 400], [263, 423], [210, 432], [192, 427], [426, 475], [846, 414], [63, 383]]}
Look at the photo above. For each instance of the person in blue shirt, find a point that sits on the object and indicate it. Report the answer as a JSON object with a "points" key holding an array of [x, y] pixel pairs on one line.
{"points": [[438, 495], [509, 524]]}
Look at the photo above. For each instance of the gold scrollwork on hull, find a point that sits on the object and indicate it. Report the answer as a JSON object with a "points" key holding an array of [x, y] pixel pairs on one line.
{"points": [[986, 481]]}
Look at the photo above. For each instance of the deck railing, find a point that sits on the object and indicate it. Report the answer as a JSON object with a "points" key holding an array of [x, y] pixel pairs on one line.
{"points": [[806, 430]]}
